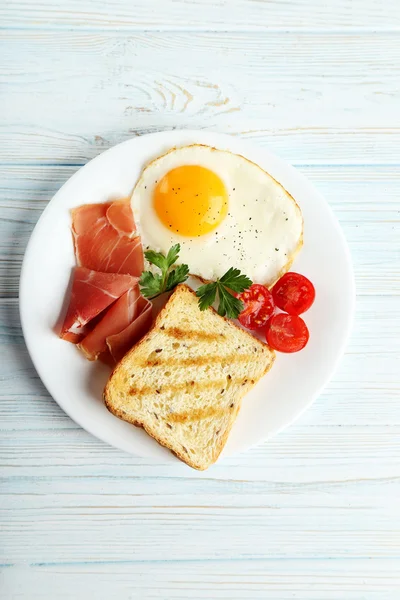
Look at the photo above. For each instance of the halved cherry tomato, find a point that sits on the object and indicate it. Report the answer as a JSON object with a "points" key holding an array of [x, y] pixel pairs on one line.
{"points": [[258, 306], [287, 333], [293, 293]]}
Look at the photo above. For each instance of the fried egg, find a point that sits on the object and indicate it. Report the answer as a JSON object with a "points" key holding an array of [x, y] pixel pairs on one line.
{"points": [[224, 211]]}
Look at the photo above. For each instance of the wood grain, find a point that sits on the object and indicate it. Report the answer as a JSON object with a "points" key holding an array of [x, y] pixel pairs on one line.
{"points": [[320, 98], [251, 579], [313, 513], [214, 15], [306, 145]]}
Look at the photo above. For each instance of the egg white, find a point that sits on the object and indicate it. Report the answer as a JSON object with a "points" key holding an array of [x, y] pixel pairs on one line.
{"points": [[260, 235]]}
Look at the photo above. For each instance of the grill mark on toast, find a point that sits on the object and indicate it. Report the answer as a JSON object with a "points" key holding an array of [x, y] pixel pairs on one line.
{"points": [[168, 434], [179, 334], [187, 385], [197, 414], [198, 360]]}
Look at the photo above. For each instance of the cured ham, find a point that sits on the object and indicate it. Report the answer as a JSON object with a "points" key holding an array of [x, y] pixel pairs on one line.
{"points": [[103, 238], [119, 344], [116, 318], [120, 216], [106, 315], [91, 293]]}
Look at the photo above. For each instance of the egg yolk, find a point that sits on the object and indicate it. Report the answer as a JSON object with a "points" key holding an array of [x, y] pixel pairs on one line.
{"points": [[191, 200]]}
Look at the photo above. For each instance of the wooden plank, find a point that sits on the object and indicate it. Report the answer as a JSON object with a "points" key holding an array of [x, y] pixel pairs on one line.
{"points": [[75, 519], [324, 458], [311, 98], [85, 495], [372, 231], [204, 14], [254, 580], [298, 145], [327, 458]]}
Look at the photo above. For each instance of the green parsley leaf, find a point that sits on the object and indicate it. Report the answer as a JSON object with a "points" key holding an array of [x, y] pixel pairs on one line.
{"points": [[229, 305], [156, 258], [207, 294], [178, 275], [235, 281], [172, 255], [150, 284]]}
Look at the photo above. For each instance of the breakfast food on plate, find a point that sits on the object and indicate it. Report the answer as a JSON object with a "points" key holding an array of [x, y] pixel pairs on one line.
{"points": [[115, 319], [104, 238], [217, 216], [293, 293], [222, 209], [107, 313], [154, 284], [258, 306], [287, 333], [122, 325], [119, 214], [91, 293], [184, 381], [120, 342]]}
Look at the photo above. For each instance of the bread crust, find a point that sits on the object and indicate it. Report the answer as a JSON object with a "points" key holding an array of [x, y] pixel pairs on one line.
{"points": [[150, 430]]}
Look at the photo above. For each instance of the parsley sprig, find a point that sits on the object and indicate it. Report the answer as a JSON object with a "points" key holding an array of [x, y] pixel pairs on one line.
{"points": [[229, 305], [154, 284]]}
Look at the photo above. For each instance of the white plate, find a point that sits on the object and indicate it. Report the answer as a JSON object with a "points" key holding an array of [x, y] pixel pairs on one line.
{"points": [[76, 384]]}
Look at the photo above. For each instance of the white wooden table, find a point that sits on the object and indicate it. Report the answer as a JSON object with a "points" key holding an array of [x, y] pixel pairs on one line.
{"points": [[315, 512]]}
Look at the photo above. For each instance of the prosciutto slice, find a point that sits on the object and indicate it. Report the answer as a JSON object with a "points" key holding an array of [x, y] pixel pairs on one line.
{"points": [[91, 293], [103, 238], [115, 319], [120, 216], [119, 344]]}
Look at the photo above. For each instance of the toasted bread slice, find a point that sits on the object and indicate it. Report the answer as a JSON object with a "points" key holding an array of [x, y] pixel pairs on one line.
{"points": [[184, 381]]}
